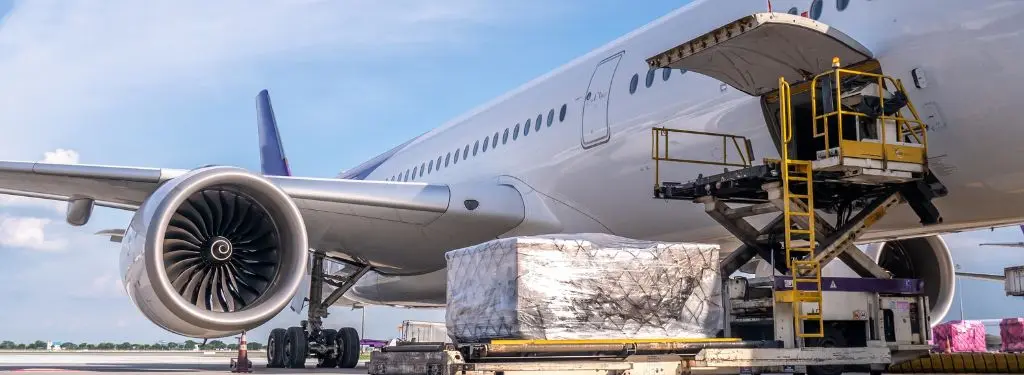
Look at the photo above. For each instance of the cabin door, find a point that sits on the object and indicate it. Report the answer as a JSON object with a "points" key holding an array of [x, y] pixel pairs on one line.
{"points": [[594, 130]]}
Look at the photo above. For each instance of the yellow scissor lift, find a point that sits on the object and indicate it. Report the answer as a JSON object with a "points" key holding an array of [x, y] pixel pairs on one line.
{"points": [[851, 145], [876, 157]]}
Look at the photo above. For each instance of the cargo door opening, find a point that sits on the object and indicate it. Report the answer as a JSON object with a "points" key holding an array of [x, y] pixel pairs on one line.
{"points": [[753, 52]]}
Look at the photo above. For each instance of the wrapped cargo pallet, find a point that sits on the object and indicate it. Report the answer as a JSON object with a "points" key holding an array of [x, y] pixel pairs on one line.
{"points": [[959, 336], [582, 286], [1011, 333]]}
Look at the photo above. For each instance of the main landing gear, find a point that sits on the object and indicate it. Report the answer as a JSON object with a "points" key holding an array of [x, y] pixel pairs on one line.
{"points": [[332, 348]]}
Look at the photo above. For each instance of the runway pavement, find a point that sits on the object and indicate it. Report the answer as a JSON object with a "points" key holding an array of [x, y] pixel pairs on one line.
{"points": [[139, 362], [145, 363]]}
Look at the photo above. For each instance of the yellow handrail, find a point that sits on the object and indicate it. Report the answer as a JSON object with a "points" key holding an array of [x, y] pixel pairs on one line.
{"points": [[904, 125], [785, 117], [659, 136]]}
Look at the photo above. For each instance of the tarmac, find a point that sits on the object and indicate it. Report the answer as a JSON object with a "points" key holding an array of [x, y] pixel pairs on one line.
{"points": [[146, 362]]}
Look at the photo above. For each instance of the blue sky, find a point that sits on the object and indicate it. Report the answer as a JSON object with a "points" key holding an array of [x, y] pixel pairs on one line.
{"points": [[172, 84]]}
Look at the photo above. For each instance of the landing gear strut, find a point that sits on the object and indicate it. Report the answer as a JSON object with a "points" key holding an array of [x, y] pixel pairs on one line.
{"points": [[332, 348]]}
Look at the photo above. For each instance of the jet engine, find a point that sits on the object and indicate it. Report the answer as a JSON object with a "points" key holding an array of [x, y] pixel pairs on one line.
{"points": [[213, 252], [925, 258]]}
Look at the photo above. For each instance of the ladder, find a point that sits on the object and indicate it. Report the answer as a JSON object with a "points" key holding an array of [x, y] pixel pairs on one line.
{"points": [[800, 260]]}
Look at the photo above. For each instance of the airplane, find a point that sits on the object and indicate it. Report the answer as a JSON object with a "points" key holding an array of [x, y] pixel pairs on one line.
{"points": [[217, 250], [1006, 244], [989, 276]]}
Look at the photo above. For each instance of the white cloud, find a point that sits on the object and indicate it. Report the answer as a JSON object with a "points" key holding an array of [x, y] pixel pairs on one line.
{"points": [[61, 156], [28, 233]]}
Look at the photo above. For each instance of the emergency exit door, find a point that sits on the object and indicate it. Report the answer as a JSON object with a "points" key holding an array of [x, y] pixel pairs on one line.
{"points": [[594, 129]]}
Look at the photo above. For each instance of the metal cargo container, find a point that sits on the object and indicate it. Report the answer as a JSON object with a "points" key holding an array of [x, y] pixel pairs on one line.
{"points": [[1014, 281], [418, 331]]}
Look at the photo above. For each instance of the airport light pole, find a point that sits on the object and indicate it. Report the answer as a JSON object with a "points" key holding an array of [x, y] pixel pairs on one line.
{"points": [[960, 292], [362, 320]]}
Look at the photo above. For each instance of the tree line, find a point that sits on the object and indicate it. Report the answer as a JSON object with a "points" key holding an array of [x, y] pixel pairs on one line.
{"points": [[187, 345]]}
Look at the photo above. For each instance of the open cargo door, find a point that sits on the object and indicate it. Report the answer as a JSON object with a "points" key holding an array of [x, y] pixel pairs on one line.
{"points": [[751, 53]]}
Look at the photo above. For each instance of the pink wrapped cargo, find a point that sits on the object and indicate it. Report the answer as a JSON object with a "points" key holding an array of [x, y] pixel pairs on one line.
{"points": [[959, 336], [1011, 331]]}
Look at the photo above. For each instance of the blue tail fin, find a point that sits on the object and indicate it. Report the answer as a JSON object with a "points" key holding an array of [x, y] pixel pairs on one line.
{"points": [[272, 159]]}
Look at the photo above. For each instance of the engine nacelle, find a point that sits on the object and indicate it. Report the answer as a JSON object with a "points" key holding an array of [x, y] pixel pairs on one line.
{"points": [[925, 258], [214, 252]]}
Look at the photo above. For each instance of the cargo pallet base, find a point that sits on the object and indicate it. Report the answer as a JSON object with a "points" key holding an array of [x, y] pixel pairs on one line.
{"points": [[690, 356]]}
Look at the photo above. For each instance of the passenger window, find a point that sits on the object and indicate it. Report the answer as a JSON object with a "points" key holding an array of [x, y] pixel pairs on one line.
{"points": [[515, 133], [526, 128], [487, 141], [842, 4], [465, 153], [561, 114], [504, 138], [413, 173], [430, 167], [665, 73], [423, 167], [439, 157], [494, 141], [551, 117], [456, 161], [815, 11], [650, 78], [476, 146], [540, 119], [447, 158], [633, 82]]}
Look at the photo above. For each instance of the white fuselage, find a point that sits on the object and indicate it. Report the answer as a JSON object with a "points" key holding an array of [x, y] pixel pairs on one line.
{"points": [[969, 50]]}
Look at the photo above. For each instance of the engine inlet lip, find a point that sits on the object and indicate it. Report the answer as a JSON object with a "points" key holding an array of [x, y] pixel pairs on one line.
{"points": [[283, 213]]}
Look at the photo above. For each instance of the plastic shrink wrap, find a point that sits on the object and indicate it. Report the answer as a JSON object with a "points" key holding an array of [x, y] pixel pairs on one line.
{"points": [[1011, 333], [959, 336], [582, 286]]}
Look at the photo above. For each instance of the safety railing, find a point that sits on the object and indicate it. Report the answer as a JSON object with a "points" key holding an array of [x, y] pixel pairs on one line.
{"points": [[660, 150], [908, 129]]}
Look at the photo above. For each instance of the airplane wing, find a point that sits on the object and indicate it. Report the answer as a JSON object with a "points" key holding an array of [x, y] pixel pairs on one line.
{"points": [[353, 218], [1004, 244], [116, 187], [398, 227], [982, 276]]}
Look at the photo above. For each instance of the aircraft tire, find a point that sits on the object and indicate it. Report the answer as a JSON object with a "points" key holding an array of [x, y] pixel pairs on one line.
{"points": [[348, 344], [296, 348], [275, 348]]}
